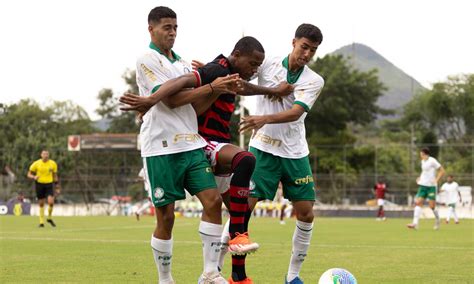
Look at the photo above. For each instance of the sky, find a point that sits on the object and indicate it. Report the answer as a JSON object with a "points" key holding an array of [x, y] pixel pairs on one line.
{"points": [[70, 50]]}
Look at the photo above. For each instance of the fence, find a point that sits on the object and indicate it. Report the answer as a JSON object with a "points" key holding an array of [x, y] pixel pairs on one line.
{"points": [[345, 174]]}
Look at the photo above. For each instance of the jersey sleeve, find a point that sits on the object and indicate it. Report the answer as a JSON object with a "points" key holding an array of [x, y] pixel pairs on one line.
{"points": [[307, 94], [55, 167], [209, 72], [436, 164], [151, 73], [34, 167], [443, 187]]}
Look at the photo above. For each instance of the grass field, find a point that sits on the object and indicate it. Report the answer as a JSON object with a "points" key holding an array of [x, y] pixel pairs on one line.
{"points": [[117, 250]]}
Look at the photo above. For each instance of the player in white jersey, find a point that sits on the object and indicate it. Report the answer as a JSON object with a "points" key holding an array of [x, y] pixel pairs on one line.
{"points": [[453, 196], [172, 151], [431, 173], [279, 142]]}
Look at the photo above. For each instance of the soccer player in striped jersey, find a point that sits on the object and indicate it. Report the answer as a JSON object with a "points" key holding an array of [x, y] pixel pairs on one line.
{"points": [[232, 165], [279, 143]]}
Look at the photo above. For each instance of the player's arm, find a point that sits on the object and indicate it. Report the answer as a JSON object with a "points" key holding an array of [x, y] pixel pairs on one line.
{"points": [[249, 89], [31, 175], [203, 97], [258, 121], [440, 174]]}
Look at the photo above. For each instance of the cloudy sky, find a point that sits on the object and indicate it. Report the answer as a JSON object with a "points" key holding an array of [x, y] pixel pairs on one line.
{"points": [[58, 50]]}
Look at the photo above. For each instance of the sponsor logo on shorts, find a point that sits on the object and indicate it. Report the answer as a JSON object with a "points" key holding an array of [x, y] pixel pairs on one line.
{"points": [[186, 137], [268, 140], [305, 180], [208, 170], [158, 193]]}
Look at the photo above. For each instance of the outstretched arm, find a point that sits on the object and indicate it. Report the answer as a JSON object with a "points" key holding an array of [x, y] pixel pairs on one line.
{"points": [[258, 121], [249, 89]]}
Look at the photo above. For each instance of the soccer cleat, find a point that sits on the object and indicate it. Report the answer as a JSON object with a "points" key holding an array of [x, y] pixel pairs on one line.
{"points": [[51, 222], [214, 278], [384, 218], [245, 281], [412, 226], [297, 280], [41, 226], [282, 222], [241, 245]]}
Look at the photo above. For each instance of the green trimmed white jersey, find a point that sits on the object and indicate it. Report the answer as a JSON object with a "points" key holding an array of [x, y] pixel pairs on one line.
{"points": [[428, 172], [165, 131], [452, 192], [287, 140]]}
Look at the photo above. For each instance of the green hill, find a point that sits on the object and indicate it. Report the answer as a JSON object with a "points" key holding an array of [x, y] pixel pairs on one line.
{"points": [[400, 86]]}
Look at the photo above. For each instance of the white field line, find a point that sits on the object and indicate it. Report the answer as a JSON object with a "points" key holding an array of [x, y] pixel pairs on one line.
{"points": [[266, 244]]}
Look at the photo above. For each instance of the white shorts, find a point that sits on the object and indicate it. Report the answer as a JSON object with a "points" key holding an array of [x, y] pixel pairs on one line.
{"points": [[380, 202], [212, 153]]}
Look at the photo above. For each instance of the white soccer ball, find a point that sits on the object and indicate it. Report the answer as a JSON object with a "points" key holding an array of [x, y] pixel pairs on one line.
{"points": [[337, 276]]}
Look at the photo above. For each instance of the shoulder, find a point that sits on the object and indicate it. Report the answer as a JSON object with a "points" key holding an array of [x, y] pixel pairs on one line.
{"points": [[52, 162], [273, 61], [311, 77]]}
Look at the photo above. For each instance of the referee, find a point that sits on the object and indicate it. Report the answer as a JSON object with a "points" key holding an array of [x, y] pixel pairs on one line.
{"points": [[45, 173]]}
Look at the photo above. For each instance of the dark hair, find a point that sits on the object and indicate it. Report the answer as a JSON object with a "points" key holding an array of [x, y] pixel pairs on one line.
{"points": [[426, 151], [310, 32], [247, 45], [160, 12]]}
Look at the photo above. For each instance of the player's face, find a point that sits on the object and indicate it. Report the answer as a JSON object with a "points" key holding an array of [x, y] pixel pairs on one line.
{"points": [[44, 155], [423, 156], [247, 64], [164, 32], [303, 51], [450, 179]]}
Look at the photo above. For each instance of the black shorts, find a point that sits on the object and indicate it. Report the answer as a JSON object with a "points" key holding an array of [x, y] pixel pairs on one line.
{"points": [[44, 190]]}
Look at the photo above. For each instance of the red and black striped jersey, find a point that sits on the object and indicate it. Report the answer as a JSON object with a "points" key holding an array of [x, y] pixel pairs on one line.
{"points": [[214, 124]]}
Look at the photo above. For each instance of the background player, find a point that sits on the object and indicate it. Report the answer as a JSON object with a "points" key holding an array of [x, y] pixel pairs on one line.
{"points": [[453, 196], [431, 173], [45, 174], [380, 189], [146, 186]]}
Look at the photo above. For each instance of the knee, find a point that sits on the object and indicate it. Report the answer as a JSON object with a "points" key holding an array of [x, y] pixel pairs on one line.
{"points": [[305, 216], [213, 203], [244, 161]]}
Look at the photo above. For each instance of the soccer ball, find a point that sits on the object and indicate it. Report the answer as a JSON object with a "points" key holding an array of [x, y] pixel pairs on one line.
{"points": [[337, 276]]}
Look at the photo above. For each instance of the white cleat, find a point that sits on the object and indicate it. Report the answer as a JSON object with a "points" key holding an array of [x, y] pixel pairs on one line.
{"points": [[412, 226], [214, 278]]}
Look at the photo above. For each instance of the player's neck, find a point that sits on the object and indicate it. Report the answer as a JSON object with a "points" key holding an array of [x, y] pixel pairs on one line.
{"points": [[292, 66], [164, 51], [44, 160]]}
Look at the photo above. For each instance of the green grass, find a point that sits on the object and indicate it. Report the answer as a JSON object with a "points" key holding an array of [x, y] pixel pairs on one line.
{"points": [[117, 250]]}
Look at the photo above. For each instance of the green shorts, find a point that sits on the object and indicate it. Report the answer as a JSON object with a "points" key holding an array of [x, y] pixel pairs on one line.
{"points": [[426, 192], [169, 175], [294, 174], [452, 205]]}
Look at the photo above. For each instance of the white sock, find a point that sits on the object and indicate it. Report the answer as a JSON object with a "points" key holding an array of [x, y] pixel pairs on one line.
{"points": [[211, 247], [435, 212], [416, 214], [455, 215], [225, 244], [301, 240], [144, 207], [163, 253]]}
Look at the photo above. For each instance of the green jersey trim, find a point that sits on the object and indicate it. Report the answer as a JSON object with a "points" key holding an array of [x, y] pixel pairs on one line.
{"points": [[305, 106], [155, 88], [291, 77], [172, 60]]}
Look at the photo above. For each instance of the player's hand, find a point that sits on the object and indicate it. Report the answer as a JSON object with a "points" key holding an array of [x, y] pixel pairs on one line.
{"points": [[135, 102], [252, 122], [227, 85], [57, 190], [196, 64], [284, 89]]}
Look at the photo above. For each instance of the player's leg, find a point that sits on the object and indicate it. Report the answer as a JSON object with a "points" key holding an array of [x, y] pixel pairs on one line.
{"points": [[298, 186], [282, 214], [420, 199], [453, 208], [450, 212], [200, 181], [432, 204], [50, 195], [142, 208], [165, 175], [41, 196]]}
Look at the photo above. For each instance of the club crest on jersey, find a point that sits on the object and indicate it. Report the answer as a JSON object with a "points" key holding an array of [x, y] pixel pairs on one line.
{"points": [[252, 185], [158, 193]]}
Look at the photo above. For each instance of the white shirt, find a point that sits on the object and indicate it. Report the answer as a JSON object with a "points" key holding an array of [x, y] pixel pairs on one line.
{"points": [[428, 172], [287, 140], [164, 130], [452, 191]]}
